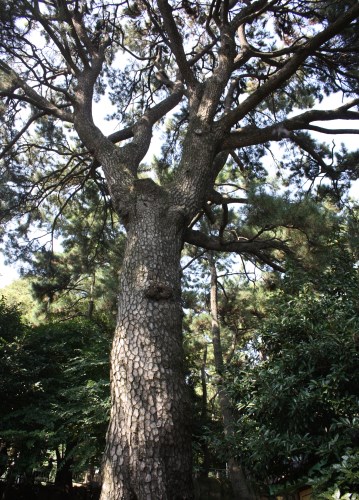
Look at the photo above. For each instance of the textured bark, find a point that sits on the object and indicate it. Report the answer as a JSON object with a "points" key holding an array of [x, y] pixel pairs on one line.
{"points": [[240, 486], [148, 453]]}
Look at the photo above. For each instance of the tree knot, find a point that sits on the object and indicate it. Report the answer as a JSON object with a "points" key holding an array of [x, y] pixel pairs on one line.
{"points": [[156, 290]]}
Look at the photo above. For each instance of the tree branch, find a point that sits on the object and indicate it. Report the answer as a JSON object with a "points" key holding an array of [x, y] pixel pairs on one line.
{"points": [[21, 132], [289, 69], [176, 43], [255, 247], [65, 52], [223, 199], [303, 144], [250, 12], [152, 115], [250, 136], [251, 51], [11, 81]]}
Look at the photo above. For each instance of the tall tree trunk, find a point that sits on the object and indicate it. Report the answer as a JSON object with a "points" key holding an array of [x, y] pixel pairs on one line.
{"points": [[205, 450], [91, 303], [148, 453], [240, 486]]}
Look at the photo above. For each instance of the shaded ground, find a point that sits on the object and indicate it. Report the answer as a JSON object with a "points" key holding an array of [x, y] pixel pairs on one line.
{"points": [[48, 492], [205, 489]]}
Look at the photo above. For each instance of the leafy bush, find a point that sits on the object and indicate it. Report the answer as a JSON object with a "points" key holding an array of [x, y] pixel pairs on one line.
{"points": [[298, 395]]}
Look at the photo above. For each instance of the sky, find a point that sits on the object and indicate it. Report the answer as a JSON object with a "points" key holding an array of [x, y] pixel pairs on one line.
{"points": [[7, 273]]}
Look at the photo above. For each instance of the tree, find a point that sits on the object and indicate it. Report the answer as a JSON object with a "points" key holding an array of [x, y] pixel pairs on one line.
{"points": [[236, 475], [235, 70], [19, 294], [11, 329], [55, 388], [297, 394], [217, 331], [82, 278]]}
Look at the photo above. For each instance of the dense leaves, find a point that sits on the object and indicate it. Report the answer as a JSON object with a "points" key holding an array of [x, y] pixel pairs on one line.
{"points": [[298, 396], [55, 393]]}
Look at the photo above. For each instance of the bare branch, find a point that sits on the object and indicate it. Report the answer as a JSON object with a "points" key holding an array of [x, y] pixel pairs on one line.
{"points": [[303, 144], [223, 199], [64, 50], [152, 115], [21, 132], [250, 51], [250, 12], [334, 131]]}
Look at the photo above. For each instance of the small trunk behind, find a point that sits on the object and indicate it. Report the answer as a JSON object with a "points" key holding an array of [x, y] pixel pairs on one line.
{"points": [[240, 486], [204, 446], [64, 463]]}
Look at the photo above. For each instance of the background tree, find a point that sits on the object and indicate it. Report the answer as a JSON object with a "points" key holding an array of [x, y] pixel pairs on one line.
{"points": [[55, 390], [297, 393], [19, 294], [241, 73]]}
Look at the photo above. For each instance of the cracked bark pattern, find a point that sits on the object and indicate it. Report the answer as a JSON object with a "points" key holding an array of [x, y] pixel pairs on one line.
{"points": [[148, 454]]}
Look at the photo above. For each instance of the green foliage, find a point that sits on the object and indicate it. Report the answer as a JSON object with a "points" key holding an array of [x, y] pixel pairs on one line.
{"points": [[55, 392], [298, 396], [300, 221], [236, 304], [335, 478], [11, 325], [81, 278], [12, 331], [299, 393], [19, 294]]}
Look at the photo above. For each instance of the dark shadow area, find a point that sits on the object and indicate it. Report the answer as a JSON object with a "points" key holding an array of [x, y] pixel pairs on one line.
{"points": [[47, 492]]}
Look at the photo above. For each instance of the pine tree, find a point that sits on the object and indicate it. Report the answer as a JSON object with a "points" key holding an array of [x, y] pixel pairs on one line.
{"points": [[243, 74]]}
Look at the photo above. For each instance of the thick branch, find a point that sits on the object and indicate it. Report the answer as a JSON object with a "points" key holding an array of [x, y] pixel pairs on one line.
{"points": [[152, 115], [215, 85], [13, 81], [250, 136], [254, 247]]}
